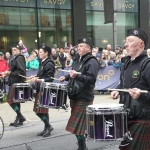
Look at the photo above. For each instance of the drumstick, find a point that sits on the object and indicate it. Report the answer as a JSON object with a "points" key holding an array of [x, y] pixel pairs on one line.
{"points": [[54, 78], [30, 80], [126, 90], [22, 76], [68, 71]]}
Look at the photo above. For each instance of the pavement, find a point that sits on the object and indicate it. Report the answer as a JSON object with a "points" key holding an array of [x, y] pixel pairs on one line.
{"points": [[24, 137]]}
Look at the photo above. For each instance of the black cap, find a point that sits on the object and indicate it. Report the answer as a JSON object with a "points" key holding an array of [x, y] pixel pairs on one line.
{"points": [[85, 40], [46, 48], [138, 33], [16, 46]]}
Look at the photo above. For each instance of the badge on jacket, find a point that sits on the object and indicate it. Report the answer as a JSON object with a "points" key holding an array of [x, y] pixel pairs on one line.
{"points": [[135, 74]]}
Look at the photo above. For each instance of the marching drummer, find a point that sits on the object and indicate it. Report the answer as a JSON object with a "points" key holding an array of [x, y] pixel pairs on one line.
{"points": [[18, 66], [45, 73], [80, 89], [135, 76]]}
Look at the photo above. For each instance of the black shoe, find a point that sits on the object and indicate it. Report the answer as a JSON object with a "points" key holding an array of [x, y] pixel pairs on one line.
{"points": [[19, 122], [13, 123], [48, 131], [41, 133]]}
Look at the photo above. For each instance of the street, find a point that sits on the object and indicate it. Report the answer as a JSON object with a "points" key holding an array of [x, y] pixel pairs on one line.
{"points": [[24, 137]]}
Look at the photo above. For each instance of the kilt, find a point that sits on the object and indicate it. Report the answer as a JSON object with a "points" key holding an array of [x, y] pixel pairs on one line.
{"points": [[10, 95], [77, 121], [37, 109], [140, 132]]}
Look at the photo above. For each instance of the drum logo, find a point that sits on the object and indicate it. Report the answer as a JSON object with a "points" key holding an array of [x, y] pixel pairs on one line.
{"points": [[108, 124], [21, 94]]}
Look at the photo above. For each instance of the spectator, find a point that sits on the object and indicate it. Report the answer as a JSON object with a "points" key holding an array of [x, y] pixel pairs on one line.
{"points": [[55, 58], [32, 63], [73, 53], [100, 60], [23, 49], [62, 57], [148, 52], [7, 57], [3, 64], [68, 62]]}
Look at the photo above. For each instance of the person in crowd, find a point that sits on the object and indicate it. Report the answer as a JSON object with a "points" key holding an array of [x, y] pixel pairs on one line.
{"points": [[32, 63], [148, 52], [66, 51], [108, 47], [105, 58], [17, 68], [80, 88], [7, 57], [56, 59], [94, 50], [35, 53], [23, 48], [135, 77], [45, 73], [62, 57], [69, 61], [73, 53], [57, 51], [3, 64], [100, 60]]}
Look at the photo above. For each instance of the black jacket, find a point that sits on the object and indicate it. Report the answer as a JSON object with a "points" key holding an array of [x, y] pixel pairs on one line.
{"points": [[86, 80], [46, 71], [18, 66], [133, 77]]}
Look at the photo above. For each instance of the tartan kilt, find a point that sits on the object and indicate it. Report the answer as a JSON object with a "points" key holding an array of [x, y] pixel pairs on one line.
{"points": [[37, 109], [77, 121], [140, 132]]}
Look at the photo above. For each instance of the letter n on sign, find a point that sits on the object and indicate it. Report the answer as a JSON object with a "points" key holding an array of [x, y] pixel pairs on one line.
{"points": [[108, 11]]}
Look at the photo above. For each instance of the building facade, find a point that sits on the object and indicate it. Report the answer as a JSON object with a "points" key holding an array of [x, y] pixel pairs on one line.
{"points": [[58, 22]]}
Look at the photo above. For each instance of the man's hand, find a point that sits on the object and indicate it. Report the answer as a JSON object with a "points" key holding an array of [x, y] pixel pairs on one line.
{"points": [[114, 94], [135, 93], [62, 79]]}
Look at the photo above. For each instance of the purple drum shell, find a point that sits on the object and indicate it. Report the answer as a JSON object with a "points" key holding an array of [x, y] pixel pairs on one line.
{"points": [[105, 126], [22, 94]]}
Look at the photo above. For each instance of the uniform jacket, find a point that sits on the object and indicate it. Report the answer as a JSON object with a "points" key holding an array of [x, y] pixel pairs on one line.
{"points": [[133, 77], [18, 66], [86, 80], [46, 71]]}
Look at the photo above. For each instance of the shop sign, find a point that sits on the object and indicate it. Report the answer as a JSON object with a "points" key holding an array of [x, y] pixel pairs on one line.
{"points": [[121, 5]]}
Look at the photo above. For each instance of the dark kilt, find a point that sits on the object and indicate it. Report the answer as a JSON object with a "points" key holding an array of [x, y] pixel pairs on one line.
{"points": [[37, 109], [77, 121], [140, 132]]}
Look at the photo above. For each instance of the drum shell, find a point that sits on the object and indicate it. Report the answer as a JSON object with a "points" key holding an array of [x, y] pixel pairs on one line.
{"points": [[22, 92], [52, 95], [106, 125]]}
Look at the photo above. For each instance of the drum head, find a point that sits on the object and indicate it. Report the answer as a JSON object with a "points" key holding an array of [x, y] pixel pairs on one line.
{"points": [[21, 84], [105, 107]]}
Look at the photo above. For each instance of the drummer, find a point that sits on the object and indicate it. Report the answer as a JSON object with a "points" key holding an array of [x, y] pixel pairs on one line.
{"points": [[80, 89], [45, 72], [18, 66], [135, 76]]}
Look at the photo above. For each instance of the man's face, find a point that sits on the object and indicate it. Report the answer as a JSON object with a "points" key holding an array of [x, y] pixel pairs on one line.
{"points": [[83, 49], [15, 51], [133, 45]]}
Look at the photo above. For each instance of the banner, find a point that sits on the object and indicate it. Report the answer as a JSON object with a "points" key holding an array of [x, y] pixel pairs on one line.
{"points": [[107, 77], [108, 11]]}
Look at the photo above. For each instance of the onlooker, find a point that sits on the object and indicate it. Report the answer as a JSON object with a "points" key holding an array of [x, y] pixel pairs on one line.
{"points": [[62, 57], [3, 64], [56, 58], [23, 49], [100, 60], [148, 52], [7, 57], [73, 53], [32, 63], [69, 61]]}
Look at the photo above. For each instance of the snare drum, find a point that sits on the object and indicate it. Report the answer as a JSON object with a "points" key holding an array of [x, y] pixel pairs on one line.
{"points": [[52, 95], [106, 121], [22, 92]]}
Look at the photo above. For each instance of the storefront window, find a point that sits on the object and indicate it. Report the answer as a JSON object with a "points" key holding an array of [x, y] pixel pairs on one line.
{"points": [[55, 27]]}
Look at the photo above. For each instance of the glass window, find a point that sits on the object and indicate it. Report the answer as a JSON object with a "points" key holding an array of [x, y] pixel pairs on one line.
{"points": [[102, 34], [17, 24], [55, 27]]}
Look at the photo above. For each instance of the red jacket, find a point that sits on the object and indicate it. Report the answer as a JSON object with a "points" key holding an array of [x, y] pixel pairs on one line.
{"points": [[3, 65]]}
